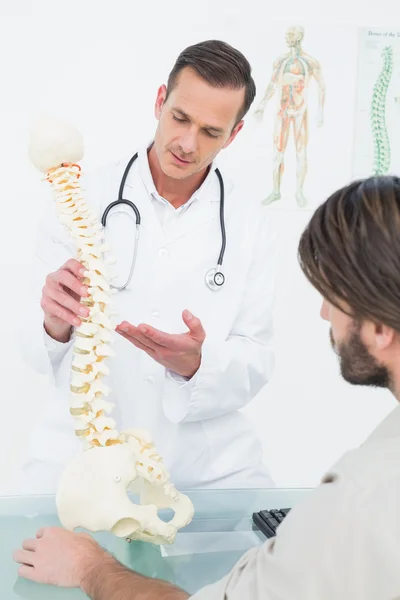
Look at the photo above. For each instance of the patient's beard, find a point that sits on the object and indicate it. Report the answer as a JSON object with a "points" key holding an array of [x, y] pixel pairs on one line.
{"points": [[357, 365]]}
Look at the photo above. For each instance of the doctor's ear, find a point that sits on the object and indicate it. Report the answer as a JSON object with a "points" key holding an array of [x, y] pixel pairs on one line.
{"points": [[234, 133], [161, 97]]}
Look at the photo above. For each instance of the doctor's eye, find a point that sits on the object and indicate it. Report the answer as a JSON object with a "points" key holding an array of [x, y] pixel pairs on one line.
{"points": [[211, 135], [179, 120]]}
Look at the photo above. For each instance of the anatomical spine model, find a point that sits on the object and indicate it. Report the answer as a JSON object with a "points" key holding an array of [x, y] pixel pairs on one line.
{"points": [[93, 489]]}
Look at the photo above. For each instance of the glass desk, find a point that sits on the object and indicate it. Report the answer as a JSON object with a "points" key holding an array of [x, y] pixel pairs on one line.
{"points": [[220, 533]]}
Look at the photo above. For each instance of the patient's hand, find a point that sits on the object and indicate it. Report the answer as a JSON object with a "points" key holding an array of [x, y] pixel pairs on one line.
{"points": [[59, 557]]}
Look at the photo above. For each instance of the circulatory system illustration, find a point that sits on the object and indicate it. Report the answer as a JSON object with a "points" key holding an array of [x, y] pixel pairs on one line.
{"points": [[291, 76]]}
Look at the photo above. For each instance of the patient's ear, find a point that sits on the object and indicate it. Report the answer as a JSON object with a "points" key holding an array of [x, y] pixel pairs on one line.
{"points": [[384, 336], [377, 336]]}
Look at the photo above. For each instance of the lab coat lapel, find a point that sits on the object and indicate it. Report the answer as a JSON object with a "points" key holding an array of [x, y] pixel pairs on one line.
{"points": [[150, 220], [203, 208], [199, 212]]}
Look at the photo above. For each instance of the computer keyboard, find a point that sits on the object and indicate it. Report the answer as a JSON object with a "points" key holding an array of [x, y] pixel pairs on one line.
{"points": [[268, 520]]}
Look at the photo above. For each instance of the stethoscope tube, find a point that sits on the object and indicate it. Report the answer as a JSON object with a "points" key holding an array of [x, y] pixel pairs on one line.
{"points": [[115, 203], [221, 216], [120, 196], [214, 277]]}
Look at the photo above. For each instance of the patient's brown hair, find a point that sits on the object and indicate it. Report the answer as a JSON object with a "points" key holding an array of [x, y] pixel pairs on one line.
{"points": [[350, 250]]}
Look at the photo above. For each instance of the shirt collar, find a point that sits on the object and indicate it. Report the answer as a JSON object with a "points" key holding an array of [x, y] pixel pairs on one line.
{"points": [[147, 178]]}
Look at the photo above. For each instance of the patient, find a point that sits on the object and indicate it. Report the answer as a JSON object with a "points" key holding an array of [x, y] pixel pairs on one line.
{"points": [[343, 542]]}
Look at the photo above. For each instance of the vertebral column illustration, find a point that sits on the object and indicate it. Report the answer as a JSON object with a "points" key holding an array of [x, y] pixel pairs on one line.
{"points": [[382, 155], [291, 76], [93, 488]]}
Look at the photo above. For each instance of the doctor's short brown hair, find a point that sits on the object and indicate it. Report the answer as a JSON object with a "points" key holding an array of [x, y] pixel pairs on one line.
{"points": [[350, 250], [220, 65]]}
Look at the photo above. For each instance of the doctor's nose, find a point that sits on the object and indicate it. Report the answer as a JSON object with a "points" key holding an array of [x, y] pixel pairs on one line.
{"points": [[188, 142]]}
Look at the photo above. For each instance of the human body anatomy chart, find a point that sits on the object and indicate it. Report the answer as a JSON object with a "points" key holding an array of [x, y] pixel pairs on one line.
{"points": [[291, 76]]}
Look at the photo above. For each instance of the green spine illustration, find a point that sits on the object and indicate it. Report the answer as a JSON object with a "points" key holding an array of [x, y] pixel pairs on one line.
{"points": [[378, 115]]}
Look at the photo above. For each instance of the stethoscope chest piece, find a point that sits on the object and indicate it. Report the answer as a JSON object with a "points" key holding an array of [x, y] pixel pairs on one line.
{"points": [[215, 279]]}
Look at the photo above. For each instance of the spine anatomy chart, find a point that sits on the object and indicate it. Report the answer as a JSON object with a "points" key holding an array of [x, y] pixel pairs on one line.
{"points": [[93, 489], [382, 155], [376, 148]]}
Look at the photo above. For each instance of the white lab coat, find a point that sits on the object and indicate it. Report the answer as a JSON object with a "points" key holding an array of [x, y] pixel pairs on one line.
{"points": [[197, 427]]}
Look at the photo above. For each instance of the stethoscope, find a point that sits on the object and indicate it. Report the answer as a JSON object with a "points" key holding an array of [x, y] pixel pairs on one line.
{"points": [[214, 278]]}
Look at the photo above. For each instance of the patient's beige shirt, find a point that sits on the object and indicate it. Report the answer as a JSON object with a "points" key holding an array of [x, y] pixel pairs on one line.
{"points": [[341, 542]]}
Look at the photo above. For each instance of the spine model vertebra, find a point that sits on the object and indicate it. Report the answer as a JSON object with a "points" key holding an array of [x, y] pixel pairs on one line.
{"points": [[378, 115], [88, 406]]}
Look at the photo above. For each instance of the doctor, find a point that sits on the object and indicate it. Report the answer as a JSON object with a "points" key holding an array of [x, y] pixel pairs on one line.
{"points": [[189, 355]]}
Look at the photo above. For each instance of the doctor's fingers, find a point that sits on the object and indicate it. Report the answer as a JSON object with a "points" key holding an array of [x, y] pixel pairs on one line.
{"points": [[134, 333], [195, 326], [131, 333], [73, 266], [68, 281], [177, 342], [150, 351], [57, 303]]}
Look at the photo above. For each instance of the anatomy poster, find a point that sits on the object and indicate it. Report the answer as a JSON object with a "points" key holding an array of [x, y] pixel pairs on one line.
{"points": [[292, 72], [377, 119]]}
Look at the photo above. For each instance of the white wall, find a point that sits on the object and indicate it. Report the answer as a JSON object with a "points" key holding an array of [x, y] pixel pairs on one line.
{"points": [[99, 65]]}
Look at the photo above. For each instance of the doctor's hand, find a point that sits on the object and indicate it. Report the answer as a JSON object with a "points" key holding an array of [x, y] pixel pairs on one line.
{"points": [[60, 301], [180, 353]]}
